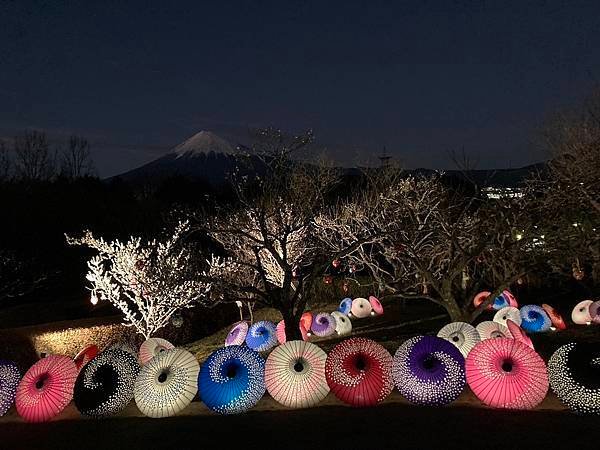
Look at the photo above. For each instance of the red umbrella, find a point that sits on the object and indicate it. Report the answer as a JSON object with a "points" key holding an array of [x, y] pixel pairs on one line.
{"points": [[505, 373], [46, 389], [480, 298], [555, 317], [85, 356], [306, 320], [359, 372], [518, 334]]}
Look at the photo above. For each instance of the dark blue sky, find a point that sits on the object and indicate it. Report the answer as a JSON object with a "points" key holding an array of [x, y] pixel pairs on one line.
{"points": [[419, 77]]}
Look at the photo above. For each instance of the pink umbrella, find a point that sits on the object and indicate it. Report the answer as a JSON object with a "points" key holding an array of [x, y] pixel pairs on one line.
{"points": [[152, 347], [361, 308], [518, 333], [505, 373], [480, 298], [306, 320], [46, 389], [376, 305], [512, 300]]}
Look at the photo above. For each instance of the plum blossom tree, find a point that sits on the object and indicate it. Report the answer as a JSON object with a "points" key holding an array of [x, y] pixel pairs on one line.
{"points": [[148, 282]]}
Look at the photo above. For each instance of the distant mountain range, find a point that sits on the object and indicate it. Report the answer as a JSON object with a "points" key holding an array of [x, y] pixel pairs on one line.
{"points": [[210, 158]]}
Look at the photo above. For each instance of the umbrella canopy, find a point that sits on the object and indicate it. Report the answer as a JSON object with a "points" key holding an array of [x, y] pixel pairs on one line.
{"points": [[595, 311], [345, 306], [429, 370], [555, 317], [343, 325], [295, 374], [361, 308], [462, 335], [306, 320], [237, 334], [151, 348], [376, 305], [46, 389], [574, 373], [359, 372], [9, 380], [85, 356], [262, 336], [505, 373], [534, 319], [500, 302], [480, 298], [510, 298], [490, 330], [323, 325], [518, 334], [167, 384], [510, 312], [231, 380], [581, 313], [105, 384]]}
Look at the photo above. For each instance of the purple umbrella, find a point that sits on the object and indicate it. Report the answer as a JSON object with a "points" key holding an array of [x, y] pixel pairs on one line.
{"points": [[429, 370], [323, 324], [237, 334]]}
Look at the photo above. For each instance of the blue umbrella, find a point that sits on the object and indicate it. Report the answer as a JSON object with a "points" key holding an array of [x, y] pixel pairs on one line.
{"points": [[500, 302], [345, 306], [535, 319], [262, 336], [232, 380], [9, 380]]}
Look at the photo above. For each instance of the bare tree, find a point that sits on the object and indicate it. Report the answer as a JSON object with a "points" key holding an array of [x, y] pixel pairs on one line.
{"points": [[76, 159], [33, 158]]}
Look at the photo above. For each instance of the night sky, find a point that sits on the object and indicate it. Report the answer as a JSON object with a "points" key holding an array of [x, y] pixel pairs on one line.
{"points": [[421, 78]]}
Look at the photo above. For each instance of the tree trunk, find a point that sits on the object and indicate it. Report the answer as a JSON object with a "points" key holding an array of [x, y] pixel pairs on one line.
{"points": [[454, 311], [292, 326]]}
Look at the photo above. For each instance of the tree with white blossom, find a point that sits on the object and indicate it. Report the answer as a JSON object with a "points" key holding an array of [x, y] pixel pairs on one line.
{"points": [[147, 281]]}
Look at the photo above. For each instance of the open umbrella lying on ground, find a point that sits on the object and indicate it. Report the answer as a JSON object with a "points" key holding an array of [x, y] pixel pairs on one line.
{"points": [[323, 325], [581, 313], [510, 312], [151, 348], [377, 307], [462, 335], [555, 317], [295, 374], [262, 336], [306, 320], [429, 370], [480, 298], [85, 356], [343, 324], [105, 384], [345, 306], [574, 372], [534, 319], [595, 311], [359, 372], [167, 384], [231, 380], [361, 308], [237, 334], [9, 380], [518, 334], [491, 330], [505, 373], [46, 389], [512, 300]]}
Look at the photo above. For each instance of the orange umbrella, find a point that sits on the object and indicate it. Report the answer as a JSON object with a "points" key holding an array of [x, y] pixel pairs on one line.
{"points": [[555, 317]]}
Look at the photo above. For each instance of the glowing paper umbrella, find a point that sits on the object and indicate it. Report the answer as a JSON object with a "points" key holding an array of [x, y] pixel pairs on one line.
{"points": [[518, 334], [490, 330], [376, 305], [429, 370], [555, 317], [306, 320], [359, 372], [480, 298], [361, 308], [85, 356], [323, 325], [574, 372], [280, 332], [510, 298], [231, 380], [46, 389], [500, 302], [262, 336], [105, 384], [345, 306], [151, 348], [534, 319], [581, 313], [510, 312], [9, 380], [595, 311], [462, 335], [504, 373], [167, 384], [237, 334], [343, 325], [295, 374]]}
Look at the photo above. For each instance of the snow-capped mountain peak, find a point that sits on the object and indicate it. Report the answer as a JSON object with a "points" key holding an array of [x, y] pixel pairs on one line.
{"points": [[201, 144]]}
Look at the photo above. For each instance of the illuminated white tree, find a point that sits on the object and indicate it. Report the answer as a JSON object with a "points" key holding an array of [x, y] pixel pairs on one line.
{"points": [[148, 282]]}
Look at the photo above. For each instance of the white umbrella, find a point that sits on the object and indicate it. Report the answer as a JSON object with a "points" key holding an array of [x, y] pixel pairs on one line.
{"points": [[464, 336], [151, 348], [490, 330], [510, 312], [343, 325], [361, 308]]}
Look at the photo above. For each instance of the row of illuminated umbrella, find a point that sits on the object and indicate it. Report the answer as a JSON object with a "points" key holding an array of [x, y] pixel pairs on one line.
{"points": [[426, 370]]}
